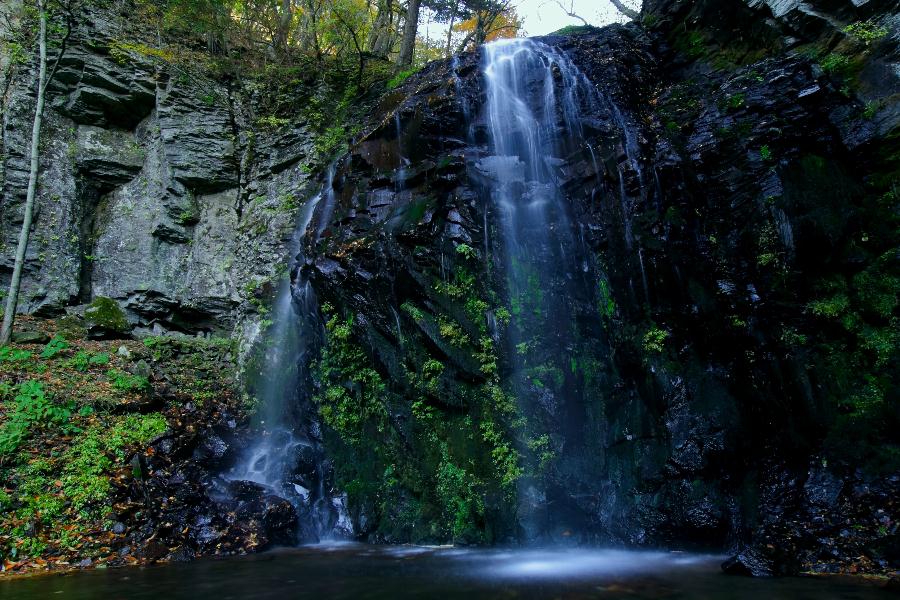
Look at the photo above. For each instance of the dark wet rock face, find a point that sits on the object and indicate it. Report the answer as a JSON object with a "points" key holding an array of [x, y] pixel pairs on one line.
{"points": [[179, 506], [715, 198]]}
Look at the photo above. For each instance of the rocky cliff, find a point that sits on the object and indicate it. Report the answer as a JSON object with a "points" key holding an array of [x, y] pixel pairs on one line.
{"points": [[726, 374], [160, 186], [734, 201]]}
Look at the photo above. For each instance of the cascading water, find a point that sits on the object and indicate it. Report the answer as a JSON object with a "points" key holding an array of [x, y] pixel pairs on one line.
{"points": [[534, 101], [285, 456], [531, 126]]}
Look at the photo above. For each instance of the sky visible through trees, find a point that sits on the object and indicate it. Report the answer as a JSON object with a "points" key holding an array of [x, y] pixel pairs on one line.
{"points": [[540, 17]]}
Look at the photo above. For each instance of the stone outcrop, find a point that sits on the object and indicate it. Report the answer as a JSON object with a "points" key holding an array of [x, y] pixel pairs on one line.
{"points": [[144, 187]]}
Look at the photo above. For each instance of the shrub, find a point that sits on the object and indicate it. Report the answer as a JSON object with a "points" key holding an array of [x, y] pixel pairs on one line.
{"points": [[83, 360], [866, 31], [466, 251], [835, 64], [654, 340]]}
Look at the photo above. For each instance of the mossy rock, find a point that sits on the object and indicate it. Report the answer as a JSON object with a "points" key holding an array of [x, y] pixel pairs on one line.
{"points": [[104, 318], [576, 30], [30, 337], [71, 327]]}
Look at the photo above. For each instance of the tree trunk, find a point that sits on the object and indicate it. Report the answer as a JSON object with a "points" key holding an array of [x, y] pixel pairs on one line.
{"points": [[480, 30], [380, 36], [450, 28], [310, 33], [409, 34], [631, 14], [284, 27], [12, 299]]}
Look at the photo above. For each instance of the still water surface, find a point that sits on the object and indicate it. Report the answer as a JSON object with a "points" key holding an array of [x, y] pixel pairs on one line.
{"points": [[377, 572]]}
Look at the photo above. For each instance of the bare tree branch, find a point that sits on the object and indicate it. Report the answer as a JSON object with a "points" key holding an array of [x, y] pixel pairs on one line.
{"points": [[628, 12], [570, 11]]}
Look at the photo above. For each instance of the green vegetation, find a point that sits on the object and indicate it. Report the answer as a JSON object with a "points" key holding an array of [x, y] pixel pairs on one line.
{"points": [[466, 251], [66, 493], [84, 359], [605, 302], [849, 336], [354, 405], [68, 432], [106, 313], [437, 477], [30, 410], [867, 31], [691, 43], [836, 64], [654, 340], [736, 101], [126, 382], [871, 109], [398, 79], [575, 30], [54, 347]]}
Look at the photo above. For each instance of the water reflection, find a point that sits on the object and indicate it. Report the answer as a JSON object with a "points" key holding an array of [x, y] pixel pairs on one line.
{"points": [[348, 570]]}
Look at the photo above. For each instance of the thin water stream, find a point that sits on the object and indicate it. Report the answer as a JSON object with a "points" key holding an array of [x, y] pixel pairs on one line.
{"points": [[284, 454]]}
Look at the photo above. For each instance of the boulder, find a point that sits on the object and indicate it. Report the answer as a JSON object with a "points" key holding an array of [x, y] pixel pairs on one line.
{"points": [[104, 318]]}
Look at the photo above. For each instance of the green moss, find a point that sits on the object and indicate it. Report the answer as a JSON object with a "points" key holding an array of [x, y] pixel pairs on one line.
{"points": [[352, 400], [398, 79], [735, 101], [106, 313], [462, 506], [691, 43], [424, 472], [605, 302], [412, 310], [575, 30]]}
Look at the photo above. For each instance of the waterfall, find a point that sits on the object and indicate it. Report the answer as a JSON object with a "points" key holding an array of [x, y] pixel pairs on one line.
{"points": [[284, 457], [533, 124], [535, 97]]}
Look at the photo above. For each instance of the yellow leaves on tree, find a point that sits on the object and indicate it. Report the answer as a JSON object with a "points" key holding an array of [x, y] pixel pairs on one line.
{"points": [[487, 26]]}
